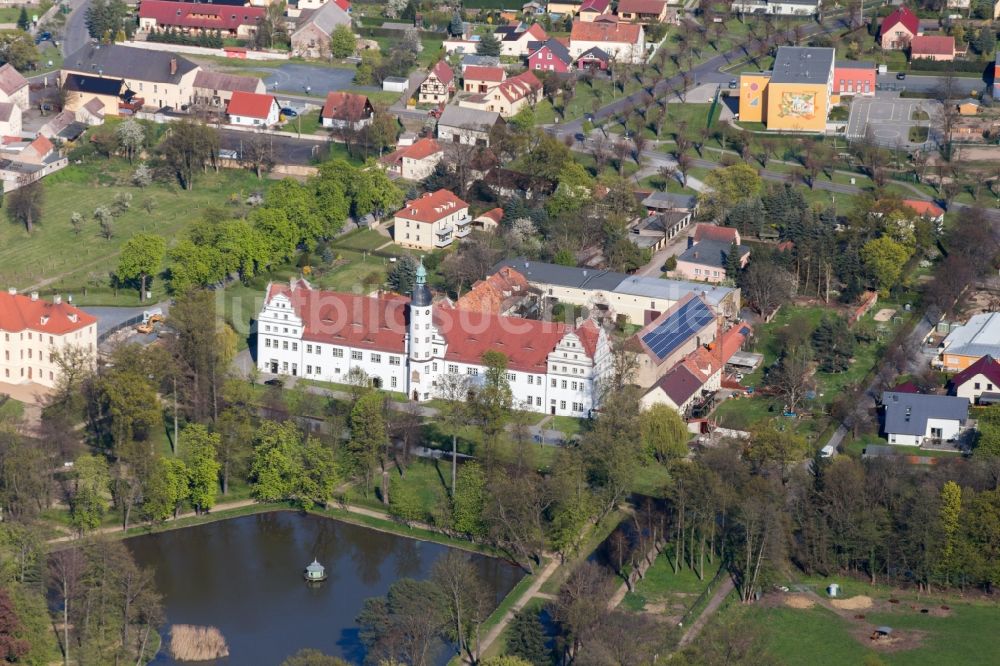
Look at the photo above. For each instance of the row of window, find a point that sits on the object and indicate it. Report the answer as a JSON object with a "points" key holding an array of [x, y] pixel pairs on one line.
{"points": [[6, 373], [41, 355], [41, 337], [707, 272]]}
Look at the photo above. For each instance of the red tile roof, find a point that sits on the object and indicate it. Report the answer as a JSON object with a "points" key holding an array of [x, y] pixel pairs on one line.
{"points": [[495, 214], [346, 106], [616, 33], [704, 231], [20, 313], [527, 343], [641, 6], [921, 207], [927, 45], [443, 72], [904, 16], [536, 31], [431, 207], [589, 335], [733, 340], [200, 15], [987, 366], [495, 293], [480, 73], [599, 6], [250, 105], [351, 320], [423, 148], [343, 4], [520, 86]]}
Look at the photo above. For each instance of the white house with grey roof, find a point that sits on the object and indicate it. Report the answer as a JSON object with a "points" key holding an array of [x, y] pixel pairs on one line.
{"points": [[470, 127], [777, 7], [912, 419], [638, 299]]}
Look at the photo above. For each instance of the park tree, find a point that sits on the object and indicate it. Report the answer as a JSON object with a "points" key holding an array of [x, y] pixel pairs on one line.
{"points": [[403, 626], [526, 639], [258, 152], [453, 388], [489, 45], [767, 286], [342, 42], [664, 433], [791, 376], [493, 399], [884, 259], [272, 464], [187, 149], [166, 489], [200, 447], [729, 186], [468, 500], [91, 483], [369, 435], [23, 21], [131, 138], [403, 274], [105, 19], [373, 192], [466, 602], [311, 657], [24, 205], [235, 426], [834, 344], [771, 445], [141, 258], [18, 49]]}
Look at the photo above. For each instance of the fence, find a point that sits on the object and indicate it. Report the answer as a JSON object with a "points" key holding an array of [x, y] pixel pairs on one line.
{"points": [[705, 594], [128, 323]]}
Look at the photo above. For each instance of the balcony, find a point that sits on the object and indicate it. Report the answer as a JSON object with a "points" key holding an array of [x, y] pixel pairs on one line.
{"points": [[463, 227], [443, 237]]}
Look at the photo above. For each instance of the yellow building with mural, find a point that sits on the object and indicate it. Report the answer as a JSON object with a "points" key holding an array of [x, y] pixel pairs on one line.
{"points": [[796, 95]]}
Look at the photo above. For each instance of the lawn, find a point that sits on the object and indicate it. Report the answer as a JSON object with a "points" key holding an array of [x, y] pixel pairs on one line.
{"points": [[55, 259], [675, 591], [11, 409], [427, 480], [568, 425]]}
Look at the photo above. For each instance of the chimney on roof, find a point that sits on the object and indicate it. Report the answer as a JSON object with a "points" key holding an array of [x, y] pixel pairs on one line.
{"points": [[173, 66], [57, 300], [34, 295]]}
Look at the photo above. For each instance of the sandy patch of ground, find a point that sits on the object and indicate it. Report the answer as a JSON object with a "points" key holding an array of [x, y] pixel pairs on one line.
{"points": [[885, 314], [859, 602], [799, 601], [898, 641]]}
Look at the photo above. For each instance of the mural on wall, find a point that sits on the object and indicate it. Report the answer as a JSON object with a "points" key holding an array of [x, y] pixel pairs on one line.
{"points": [[797, 105]]}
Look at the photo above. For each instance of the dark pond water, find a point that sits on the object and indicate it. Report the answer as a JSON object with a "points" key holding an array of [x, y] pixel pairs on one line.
{"points": [[244, 576]]}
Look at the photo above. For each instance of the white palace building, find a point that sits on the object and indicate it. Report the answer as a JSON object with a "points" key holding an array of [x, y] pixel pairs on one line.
{"points": [[408, 344]]}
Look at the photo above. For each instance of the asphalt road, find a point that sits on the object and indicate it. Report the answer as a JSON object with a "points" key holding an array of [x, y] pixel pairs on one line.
{"points": [[75, 33], [296, 77]]}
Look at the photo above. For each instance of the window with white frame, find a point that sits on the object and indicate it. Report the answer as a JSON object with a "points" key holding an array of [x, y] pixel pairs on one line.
{"points": [[338, 353], [356, 355], [376, 358]]}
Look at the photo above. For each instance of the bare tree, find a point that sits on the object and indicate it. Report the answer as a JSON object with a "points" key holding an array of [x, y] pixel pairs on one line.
{"points": [[258, 152], [24, 205]]}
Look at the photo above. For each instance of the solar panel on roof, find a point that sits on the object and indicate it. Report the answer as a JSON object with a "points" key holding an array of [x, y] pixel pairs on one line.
{"points": [[678, 327]]}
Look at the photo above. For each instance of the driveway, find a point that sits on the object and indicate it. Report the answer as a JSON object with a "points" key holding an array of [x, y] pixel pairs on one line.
{"points": [[890, 119], [297, 77], [110, 317]]}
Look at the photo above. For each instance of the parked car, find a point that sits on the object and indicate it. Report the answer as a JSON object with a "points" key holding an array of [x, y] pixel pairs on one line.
{"points": [[289, 112], [901, 75], [580, 136], [734, 84]]}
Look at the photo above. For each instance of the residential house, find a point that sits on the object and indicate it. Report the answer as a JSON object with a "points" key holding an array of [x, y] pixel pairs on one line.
{"points": [[933, 47], [560, 8], [980, 382], [927, 209], [10, 119], [432, 221], [623, 42], [13, 87], [311, 37], [514, 38], [415, 161], [411, 344], [467, 126], [92, 113], [550, 56], [439, 85], [98, 96], [966, 344], [851, 77], [158, 79], [661, 202], [594, 58], [239, 22], [476, 79], [643, 11], [488, 221], [510, 97], [684, 385], [505, 293], [777, 7], [590, 10], [253, 109], [63, 126], [898, 29], [346, 111], [707, 253], [215, 89], [35, 332], [672, 336], [913, 419]]}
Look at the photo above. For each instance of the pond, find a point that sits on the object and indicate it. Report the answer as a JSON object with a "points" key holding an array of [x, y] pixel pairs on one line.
{"points": [[244, 576]]}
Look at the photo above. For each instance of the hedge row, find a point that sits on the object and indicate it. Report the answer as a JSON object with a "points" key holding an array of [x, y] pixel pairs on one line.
{"points": [[928, 65]]}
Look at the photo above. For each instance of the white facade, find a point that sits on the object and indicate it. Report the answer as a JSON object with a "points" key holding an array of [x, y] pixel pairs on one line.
{"points": [[942, 429], [975, 386], [415, 361], [253, 121], [777, 8]]}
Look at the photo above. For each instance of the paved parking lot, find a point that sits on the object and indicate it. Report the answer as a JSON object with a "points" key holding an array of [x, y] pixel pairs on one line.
{"points": [[889, 118]]}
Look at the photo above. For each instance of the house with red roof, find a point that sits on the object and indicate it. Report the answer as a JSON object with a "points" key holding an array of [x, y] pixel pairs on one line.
{"points": [[669, 338], [478, 79], [591, 10], [488, 221], [516, 38], [623, 42], [411, 344], [898, 29], [503, 293], [933, 47], [978, 382], [508, 98], [343, 110], [253, 109], [432, 221], [550, 56], [33, 331], [189, 17], [644, 11], [927, 209], [439, 85], [415, 161]]}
